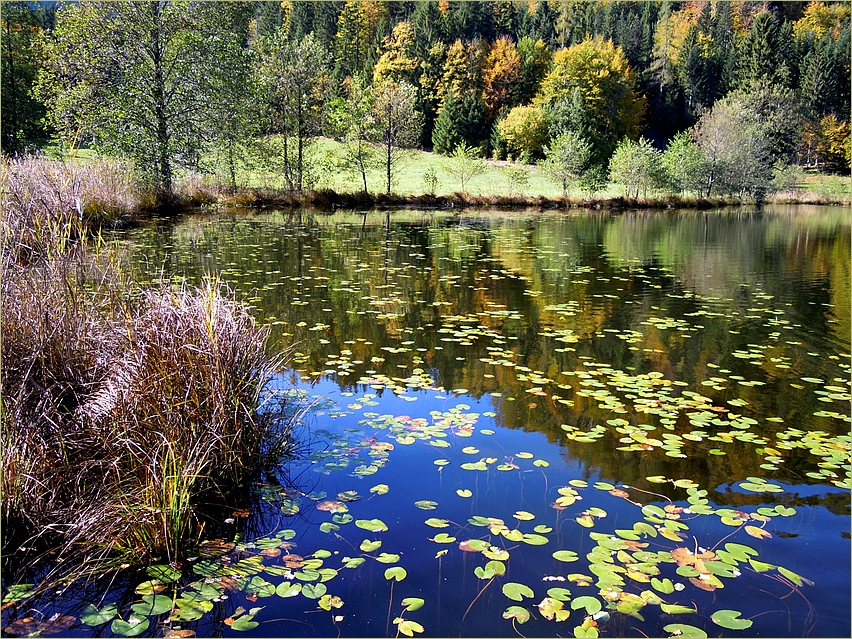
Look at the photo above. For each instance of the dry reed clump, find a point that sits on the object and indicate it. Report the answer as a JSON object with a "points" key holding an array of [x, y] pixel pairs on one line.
{"points": [[43, 199], [122, 407]]}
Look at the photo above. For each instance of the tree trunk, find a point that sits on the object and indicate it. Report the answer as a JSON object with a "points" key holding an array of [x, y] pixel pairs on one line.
{"points": [[164, 167]]}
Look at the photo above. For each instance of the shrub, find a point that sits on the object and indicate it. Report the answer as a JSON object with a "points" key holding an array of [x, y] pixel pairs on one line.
{"points": [[524, 130]]}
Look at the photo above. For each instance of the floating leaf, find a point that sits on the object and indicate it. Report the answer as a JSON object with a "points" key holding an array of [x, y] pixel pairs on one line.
{"points": [[443, 538], [758, 533], [314, 591], [675, 609], [591, 604], [685, 631], [464, 492], [91, 616], [288, 589], [412, 603], [396, 572], [795, 578], [408, 627], [244, 623], [516, 591], [373, 525], [426, 504], [434, 522], [730, 619], [470, 450], [534, 539], [565, 555], [518, 613], [665, 586], [523, 515], [164, 573], [153, 605], [132, 627], [18, 592], [553, 609], [387, 558], [562, 594], [328, 527], [380, 489], [369, 546]]}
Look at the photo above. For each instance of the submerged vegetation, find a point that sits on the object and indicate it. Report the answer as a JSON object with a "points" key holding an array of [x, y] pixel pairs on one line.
{"points": [[121, 405]]}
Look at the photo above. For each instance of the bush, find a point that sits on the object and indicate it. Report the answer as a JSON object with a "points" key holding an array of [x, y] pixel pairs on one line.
{"points": [[524, 130], [637, 166]]}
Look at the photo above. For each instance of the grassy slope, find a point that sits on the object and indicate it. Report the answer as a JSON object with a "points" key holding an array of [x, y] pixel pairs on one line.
{"points": [[494, 182]]}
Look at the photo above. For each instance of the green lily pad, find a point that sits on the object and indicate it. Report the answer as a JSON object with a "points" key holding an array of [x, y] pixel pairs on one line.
{"points": [[464, 492], [534, 539], [516, 591], [408, 627], [153, 605], [314, 591], [132, 627], [373, 525], [730, 619], [443, 538], [91, 616], [18, 592], [369, 546], [665, 586], [434, 522], [685, 631], [565, 555], [164, 573], [380, 489], [244, 623], [562, 594], [396, 572], [412, 603], [521, 615], [387, 558], [676, 609], [591, 604], [288, 589], [426, 504]]}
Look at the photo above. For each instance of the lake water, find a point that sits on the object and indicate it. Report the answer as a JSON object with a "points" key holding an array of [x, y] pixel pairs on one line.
{"points": [[549, 424]]}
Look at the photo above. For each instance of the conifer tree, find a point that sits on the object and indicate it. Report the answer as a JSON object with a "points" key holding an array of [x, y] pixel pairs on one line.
{"points": [[445, 135]]}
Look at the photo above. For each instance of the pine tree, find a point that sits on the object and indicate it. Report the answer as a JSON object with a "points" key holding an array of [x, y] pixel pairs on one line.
{"points": [[762, 53], [445, 135]]}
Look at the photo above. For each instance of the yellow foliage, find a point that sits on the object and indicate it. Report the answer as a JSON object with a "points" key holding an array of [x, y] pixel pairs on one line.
{"points": [[820, 19]]}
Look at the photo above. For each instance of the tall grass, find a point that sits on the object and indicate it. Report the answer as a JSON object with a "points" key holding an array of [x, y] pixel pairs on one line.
{"points": [[122, 407]]}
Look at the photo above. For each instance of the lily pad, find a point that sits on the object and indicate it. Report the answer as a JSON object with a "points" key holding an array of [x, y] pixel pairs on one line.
{"points": [[373, 525], [132, 627], [397, 573], [685, 631], [521, 615], [91, 616], [516, 591], [730, 619]]}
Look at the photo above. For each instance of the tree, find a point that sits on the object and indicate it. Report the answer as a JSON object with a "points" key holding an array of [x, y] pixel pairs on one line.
{"points": [[535, 63], [599, 70], [501, 75], [139, 78], [465, 165], [524, 130], [636, 166], [446, 134], [763, 53], [21, 113], [357, 27], [294, 76], [737, 158], [397, 123], [352, 122], [397, 61], [566, 160], [683, 163]]}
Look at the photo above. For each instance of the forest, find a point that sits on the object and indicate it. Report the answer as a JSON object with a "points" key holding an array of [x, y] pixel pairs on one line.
{"points": [[647, 94]]}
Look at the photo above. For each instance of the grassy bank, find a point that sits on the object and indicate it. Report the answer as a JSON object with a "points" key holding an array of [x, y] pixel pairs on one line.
{"points": [[123, 408]]}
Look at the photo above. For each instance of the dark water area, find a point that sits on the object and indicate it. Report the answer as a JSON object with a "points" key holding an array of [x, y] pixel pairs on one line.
{"points": [[550, 424]]}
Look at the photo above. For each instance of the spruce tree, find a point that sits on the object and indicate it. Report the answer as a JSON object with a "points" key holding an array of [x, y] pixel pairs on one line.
{"points": [[445, 135]]}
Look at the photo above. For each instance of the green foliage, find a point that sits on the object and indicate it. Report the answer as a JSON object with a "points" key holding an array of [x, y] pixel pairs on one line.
{"points": [[21, 115], [637, 166], [142, 79], [465, 165], [524, 129], [446, 135], [294, 78], [600, 72], [566, 160], [398, 124], [351, 120], [683, 163]]}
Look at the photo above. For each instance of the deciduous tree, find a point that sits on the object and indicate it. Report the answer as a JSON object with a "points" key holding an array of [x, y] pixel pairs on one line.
{"points": [[397, 124]]}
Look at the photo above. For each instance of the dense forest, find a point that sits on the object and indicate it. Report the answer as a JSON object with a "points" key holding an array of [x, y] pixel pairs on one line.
{"points": [[719, 96]]}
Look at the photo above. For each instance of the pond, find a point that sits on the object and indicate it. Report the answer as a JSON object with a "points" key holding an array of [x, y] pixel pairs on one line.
{"points": [[546, 424]]}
